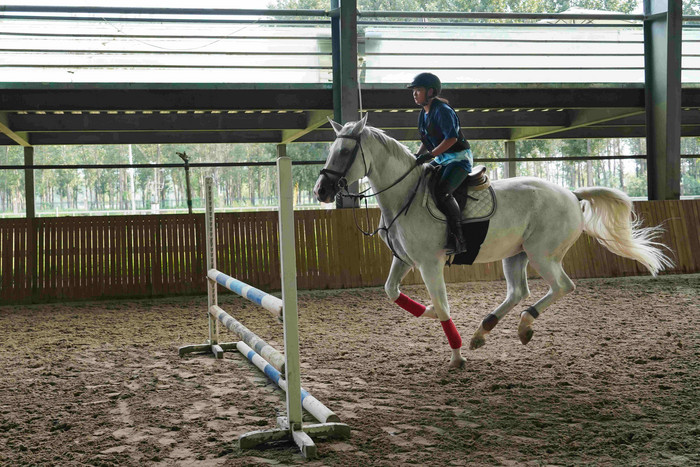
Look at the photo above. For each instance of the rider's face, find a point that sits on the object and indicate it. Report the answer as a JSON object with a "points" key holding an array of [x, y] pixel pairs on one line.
{"points": [[419, 95]]}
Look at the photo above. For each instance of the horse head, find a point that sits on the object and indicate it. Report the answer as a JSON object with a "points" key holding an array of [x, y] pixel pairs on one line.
{"points": [[343, 167]]}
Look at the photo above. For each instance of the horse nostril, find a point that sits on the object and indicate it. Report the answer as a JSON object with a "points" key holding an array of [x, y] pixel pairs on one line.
{"points": [[320, 193]]}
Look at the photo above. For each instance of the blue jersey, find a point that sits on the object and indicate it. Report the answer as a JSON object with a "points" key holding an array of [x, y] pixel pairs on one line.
{"points": [[441, 124]]}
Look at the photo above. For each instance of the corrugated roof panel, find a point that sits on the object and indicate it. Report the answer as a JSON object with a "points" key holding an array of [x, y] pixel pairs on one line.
{"points": [[69, 51]]}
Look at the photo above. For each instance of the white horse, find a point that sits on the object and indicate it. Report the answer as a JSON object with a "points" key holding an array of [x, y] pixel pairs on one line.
{"points": [[536, 221]]}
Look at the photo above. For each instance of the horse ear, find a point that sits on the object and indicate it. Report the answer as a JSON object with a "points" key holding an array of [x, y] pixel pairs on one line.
{"points": [[360, 126], [336, 126]]}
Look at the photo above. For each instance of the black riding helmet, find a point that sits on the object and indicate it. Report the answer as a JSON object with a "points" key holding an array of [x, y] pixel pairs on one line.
{"points": [[427, 81]]}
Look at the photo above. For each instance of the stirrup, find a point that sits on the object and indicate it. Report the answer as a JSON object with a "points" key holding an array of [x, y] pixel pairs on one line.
{"points": [[457, 248], [454, 252]]}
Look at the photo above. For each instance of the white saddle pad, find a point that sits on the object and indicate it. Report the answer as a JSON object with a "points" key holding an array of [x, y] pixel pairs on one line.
{"points": [[481, 206]]}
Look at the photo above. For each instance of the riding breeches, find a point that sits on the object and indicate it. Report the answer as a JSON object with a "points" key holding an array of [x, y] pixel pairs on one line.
{"points": [[452, 177]]}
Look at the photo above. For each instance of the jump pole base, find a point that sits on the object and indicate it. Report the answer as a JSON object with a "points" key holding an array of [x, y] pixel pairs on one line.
{"points": [[217, 349], [302, 438]]}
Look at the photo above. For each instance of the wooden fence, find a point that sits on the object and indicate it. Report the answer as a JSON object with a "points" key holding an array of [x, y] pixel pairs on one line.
{"points": [[76, 258]]}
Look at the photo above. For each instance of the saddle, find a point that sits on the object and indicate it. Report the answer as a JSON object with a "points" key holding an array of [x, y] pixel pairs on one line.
{"points": [[477, 180], [481, 206]]}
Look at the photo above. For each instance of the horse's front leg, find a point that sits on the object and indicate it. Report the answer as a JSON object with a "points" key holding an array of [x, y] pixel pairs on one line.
{"points": [[398, 271], [433, 276]]}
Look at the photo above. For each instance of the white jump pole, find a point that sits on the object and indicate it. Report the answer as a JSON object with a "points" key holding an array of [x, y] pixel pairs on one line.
{"points": [[312, 405], [271, 303], [212, 345], [291, 426], [271, 355], [210, 234], [288, 262]]}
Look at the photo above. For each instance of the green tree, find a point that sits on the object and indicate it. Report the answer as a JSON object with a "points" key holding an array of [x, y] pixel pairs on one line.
{"points": [[690, 167], [11, 181]]}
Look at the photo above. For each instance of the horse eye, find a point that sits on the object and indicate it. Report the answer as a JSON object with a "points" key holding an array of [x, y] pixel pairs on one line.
{"points": [[344, 152]]}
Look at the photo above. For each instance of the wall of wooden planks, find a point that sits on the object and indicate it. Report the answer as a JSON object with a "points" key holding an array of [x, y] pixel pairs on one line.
{"points": [[78, 258]]}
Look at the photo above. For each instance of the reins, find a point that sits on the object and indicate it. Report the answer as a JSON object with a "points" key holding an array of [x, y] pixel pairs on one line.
{"points": [[342, 183]]}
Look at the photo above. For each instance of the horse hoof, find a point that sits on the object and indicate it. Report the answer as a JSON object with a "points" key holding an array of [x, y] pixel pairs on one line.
{"points": [[476, 342], [458, 364], [430, 312], [526, 335]]}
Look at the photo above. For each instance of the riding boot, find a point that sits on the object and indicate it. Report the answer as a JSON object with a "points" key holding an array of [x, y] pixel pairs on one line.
{"points": [[454, 218]]}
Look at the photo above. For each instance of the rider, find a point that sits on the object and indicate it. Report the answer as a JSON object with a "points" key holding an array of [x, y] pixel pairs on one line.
{"points": [[442, 139]]}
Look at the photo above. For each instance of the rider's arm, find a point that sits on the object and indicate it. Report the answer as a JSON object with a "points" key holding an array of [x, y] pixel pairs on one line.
{"points": [[444, 146], [446, 120]]}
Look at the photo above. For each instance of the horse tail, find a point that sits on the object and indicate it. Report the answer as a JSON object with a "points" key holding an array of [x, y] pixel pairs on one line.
{"points": [[609, 218]]}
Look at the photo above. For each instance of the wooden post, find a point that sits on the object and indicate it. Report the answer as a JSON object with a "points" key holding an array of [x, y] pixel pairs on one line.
{"points": [[188, 189]]}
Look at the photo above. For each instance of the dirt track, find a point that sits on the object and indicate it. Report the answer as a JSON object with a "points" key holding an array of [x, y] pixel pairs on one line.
{"points": [[611, 377]]}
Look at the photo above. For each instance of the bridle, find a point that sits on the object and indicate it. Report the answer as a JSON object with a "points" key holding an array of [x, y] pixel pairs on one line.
{"points": [[342, 184]]}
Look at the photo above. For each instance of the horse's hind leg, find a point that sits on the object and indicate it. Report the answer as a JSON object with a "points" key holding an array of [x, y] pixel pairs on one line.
{"points": [[553, 273], [515, 270]]}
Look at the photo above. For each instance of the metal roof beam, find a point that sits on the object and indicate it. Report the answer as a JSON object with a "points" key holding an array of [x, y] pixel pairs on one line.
{"points": [[513, 97], [410, 134], [599, 132], [157, 121], [199, 137], [20, 138], [477, 118], [315, 119], [578, 118], [164, 99]]}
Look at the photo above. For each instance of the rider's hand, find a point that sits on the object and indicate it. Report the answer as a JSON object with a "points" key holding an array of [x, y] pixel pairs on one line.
{"points": [[423, 158]]}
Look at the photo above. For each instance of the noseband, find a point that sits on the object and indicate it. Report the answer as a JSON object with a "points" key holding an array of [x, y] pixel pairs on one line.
{"points": [[342, 182]]}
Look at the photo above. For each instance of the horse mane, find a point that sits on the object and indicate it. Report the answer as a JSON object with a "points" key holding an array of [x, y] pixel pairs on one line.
{"points": [[394, 147]]}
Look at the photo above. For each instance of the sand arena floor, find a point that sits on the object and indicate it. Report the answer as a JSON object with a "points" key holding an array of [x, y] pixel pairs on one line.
{"points": [[611, 377]]}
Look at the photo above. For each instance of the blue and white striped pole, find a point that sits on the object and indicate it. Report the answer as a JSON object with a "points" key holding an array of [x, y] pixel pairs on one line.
{"points": [[264, 299], [312, 405], [269, 353]]}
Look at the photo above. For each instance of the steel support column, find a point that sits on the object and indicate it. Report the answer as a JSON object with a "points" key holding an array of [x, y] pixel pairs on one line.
{"points": [[30, 212], [29, 182], [347, 82], [350, 103], [335, 47], [510, 168], [662, 62]]}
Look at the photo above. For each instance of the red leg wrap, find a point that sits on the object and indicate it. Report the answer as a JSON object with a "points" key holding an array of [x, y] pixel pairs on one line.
{"points": [[452, 335], [415, 308]]}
